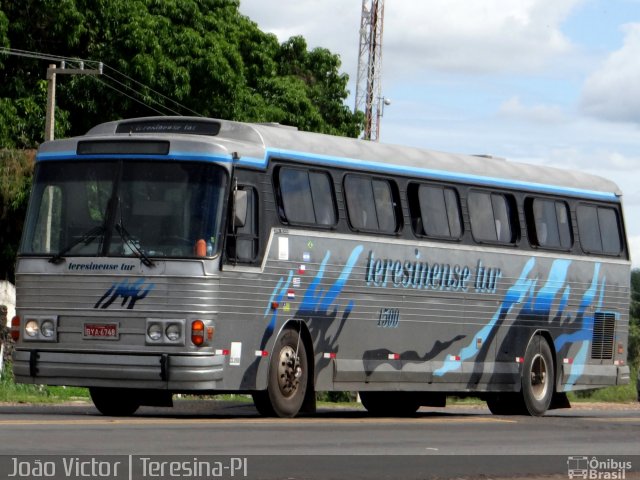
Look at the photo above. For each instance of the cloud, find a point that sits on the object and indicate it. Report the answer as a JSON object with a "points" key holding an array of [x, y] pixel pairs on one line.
{"points": [[472, 37], [459, 36], [613, 91], [602, 161], [331, 24], [513, 108]]}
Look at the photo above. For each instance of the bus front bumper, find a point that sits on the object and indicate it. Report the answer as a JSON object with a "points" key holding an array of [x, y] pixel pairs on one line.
{"points": [[80, 369]]}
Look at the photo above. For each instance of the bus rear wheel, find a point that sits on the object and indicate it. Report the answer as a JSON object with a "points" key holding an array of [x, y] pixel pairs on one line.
{"points": [[115, 402], [390, 404], [288, 377], [537, 382], [538, 377]]}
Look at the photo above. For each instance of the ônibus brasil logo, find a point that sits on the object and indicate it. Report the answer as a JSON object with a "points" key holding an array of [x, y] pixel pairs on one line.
{"points": [[590, 468]]}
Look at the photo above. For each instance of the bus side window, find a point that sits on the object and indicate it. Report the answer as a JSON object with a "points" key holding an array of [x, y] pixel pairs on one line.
{"points": [[548, 223], [599, 230], [370, 204], [306, 197], [491, 217], [242, 244], [435, 211]]}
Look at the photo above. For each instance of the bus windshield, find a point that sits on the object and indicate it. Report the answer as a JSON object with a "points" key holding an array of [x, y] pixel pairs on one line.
{"points": [[125, 208]]}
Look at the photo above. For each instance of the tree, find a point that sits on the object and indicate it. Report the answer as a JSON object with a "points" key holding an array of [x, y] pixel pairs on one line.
{"points": [[201, 53], [16, 169]]}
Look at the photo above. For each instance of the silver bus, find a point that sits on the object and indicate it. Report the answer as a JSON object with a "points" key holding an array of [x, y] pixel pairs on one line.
{"points": [[175, 254]]}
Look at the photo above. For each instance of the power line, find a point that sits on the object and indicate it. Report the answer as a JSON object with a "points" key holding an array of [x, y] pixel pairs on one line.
{"points": [[128, 96], [134, 91], [152, 90], [126, 86]]}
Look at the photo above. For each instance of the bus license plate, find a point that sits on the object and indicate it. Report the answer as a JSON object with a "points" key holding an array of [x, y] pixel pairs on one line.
{"points": [[101, 331]]}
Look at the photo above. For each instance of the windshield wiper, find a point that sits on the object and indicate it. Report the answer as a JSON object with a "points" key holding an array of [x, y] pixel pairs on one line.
{"points": [[86, 238], [135, 246]]}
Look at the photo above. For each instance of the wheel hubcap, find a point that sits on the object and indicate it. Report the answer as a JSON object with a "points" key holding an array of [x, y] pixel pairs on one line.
{"points": [[539, 383], [289, 371]]}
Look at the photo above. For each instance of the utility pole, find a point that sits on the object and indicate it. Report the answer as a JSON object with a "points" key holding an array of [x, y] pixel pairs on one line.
{"points": [[368, 84], [52, 71]]}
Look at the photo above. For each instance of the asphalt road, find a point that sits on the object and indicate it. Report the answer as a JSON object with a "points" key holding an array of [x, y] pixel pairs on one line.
{"points": [[453, 442]]}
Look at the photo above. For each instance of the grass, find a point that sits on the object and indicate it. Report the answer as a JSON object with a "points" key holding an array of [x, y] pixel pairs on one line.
{"points": [[22, 393], [618, 394], [12, 392]]}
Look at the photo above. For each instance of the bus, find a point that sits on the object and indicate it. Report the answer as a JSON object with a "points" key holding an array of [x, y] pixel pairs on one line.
{"points": [[168, 255]]}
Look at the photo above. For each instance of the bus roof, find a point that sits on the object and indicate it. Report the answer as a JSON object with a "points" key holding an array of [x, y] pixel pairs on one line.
{"points": [[254, 145]]}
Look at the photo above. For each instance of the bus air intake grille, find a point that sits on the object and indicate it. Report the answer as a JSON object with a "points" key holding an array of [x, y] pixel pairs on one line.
{"points": [[603, 336]]}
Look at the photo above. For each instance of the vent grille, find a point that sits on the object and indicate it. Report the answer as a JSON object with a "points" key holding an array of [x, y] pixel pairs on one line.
{"points": [[604, 324]]}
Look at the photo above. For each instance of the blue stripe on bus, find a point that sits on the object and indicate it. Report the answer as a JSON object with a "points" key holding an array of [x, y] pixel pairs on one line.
{"points": [[428, 173], [362, 164]]}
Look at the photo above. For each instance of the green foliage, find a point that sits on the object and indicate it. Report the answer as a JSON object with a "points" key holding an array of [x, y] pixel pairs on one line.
{"points": [[22, 120], [16, 169], [23, 393], [4, 27], [634, 320], [618, 394], [202, 53], [336, 397]]}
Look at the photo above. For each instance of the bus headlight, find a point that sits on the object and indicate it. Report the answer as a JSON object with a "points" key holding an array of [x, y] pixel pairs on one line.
{"points": [[173, 332], [41, 328], [165, 331], [154, 332], [47, 328], [32, 328]]}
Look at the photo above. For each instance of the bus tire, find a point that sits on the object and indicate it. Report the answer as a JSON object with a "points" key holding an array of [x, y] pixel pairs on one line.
{"points": [[390, 404], [538, 377], [115, 402], [288, 378]]}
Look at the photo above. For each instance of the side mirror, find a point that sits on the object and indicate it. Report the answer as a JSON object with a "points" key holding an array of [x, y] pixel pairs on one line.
{"points": [[240, 202]]}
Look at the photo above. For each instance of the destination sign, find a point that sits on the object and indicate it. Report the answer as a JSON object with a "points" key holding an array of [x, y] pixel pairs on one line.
{"points": [[177, 126]]}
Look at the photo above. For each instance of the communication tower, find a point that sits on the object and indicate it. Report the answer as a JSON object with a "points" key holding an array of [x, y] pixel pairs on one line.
{"points": [[368, 84]]}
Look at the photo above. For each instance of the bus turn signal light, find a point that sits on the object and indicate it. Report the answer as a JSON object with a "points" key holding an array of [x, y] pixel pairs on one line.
{"points": [[197, 332]]}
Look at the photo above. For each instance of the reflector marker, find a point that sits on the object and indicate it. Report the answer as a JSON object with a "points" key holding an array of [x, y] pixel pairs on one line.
{"points": [[454, 358], [329, 355], [567, 361], [222, 352], [15, 328], [262, 353], [519, 359], [618, 363], [394, 356]]}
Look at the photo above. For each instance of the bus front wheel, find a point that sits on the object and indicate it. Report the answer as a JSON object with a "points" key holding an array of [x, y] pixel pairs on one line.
{"points": [[115, 402], [288, 377]]}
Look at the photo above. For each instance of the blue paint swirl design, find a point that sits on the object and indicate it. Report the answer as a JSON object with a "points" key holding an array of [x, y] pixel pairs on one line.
{"points": [[515, 294], [315, 300]]}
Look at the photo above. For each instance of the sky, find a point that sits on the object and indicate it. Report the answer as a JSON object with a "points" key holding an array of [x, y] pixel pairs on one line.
{"points": [[546, 82]]}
